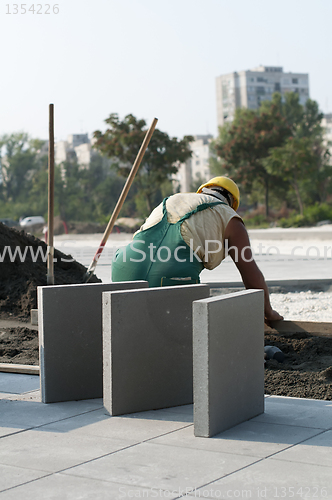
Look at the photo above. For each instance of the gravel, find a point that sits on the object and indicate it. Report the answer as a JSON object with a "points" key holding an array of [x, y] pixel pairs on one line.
{"points": [[303, 306]]}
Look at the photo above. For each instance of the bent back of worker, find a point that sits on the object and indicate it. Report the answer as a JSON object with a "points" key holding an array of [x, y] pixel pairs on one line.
{"points": [[170, 247]]}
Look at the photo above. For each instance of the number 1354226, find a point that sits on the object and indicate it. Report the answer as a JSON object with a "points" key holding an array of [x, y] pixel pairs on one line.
{"points": [[37, 8]]}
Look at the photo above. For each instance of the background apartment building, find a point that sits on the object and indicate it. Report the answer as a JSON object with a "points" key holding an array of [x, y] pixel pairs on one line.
{"points": [[196, 169], [247, 89], [77, 146]]}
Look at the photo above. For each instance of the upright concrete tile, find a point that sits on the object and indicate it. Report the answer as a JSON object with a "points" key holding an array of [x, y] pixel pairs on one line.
{"points": [[228, 347], [147, 342], [70, 339]]}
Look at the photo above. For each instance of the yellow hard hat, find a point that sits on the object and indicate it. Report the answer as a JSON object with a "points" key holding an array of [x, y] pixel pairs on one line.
{"points": [[225, 183]]}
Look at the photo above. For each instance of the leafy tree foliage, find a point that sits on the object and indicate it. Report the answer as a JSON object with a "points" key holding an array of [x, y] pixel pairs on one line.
{"points": [[80, 194], [17, 166], [302, 160], [122, 141], [245, 145], [278, 148]]}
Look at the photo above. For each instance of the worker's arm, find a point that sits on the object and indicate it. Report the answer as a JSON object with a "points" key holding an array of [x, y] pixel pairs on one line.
{"points": [[240, 251]]}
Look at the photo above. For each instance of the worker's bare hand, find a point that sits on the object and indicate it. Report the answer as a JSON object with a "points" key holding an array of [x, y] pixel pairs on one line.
{"points": [[273, 315]]}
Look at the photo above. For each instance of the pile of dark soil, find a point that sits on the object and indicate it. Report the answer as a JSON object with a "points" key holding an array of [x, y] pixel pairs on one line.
{"points": [[19, 345], [23, 267], [307, 369]]}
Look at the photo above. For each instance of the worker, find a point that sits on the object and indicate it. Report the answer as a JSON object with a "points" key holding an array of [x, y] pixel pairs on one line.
{"points": [[188, 232]]}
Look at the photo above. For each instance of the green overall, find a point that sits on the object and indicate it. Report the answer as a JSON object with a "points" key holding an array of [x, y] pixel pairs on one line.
{"points": [[159, 254]]}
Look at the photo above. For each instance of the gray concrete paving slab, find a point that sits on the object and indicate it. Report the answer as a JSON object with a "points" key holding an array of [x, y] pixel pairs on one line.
{"points": [[11, 476], [134, 428], [165, 414], [70, 339], [249, 438], [316, 414], [148, 360], [228, 349], [273, 479], [25, 414], [183, 409], [167, 467], [51, 451], [17, 384], [67, 487], [288, 451], [316, 450], [169, 458], [7, 431], [25, 396]]}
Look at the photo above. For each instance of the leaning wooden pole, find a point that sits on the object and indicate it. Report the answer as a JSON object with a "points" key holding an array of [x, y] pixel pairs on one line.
{"points": [[50, 230], [121, 200]]}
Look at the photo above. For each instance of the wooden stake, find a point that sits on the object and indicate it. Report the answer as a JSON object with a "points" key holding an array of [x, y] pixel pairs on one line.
{"points": [[121, 199], [50, 229]]}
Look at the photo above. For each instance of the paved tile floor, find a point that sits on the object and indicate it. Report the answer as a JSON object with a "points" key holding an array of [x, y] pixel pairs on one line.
{"points": [[75, 451]]}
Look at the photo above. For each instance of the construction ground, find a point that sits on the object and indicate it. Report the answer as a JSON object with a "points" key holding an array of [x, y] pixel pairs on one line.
{"points": [[75, 450]]}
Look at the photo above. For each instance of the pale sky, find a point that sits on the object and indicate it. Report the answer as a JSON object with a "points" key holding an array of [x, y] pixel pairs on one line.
{"points": [[151, 58]]}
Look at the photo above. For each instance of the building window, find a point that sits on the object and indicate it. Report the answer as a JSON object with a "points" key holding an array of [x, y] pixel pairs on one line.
{"points": [[295, 81], [277, 87]]}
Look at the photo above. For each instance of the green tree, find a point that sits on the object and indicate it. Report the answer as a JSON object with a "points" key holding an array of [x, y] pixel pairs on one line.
{"points": [[294, 162], [244, 146], [86, 194], [302, 161], [122, 141], [278, 147], [18, 165]]}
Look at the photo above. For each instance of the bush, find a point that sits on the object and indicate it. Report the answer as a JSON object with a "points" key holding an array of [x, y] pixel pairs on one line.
{"points": [[257, 221], [311, 216]]}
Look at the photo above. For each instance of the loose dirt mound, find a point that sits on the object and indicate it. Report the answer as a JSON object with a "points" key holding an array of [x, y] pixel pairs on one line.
{"points": [[19, 345], [23, 267], [307, 369]]}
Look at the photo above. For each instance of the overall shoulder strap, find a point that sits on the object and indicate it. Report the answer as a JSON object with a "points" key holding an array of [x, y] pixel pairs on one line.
{"points": [[164, 206], [201, 207]]}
